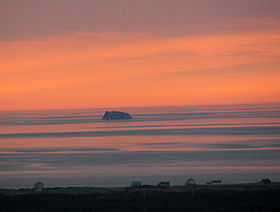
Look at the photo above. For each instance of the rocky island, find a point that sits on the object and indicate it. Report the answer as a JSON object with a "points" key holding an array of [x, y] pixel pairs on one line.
{"points": [[116, 115]]}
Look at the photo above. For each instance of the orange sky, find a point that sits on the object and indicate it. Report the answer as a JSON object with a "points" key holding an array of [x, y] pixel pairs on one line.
{"points": [[122, 69]]}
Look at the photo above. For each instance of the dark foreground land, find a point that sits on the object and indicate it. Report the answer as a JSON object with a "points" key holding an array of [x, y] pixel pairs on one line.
{"points": [[241, 197]]}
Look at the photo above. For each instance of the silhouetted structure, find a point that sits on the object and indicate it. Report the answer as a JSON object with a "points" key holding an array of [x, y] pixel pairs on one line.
{"points": [[214, 182], [147, 186], [136, 184], [265, 181], [38, 186], [190, 181], [116, 115], [165, 184]]}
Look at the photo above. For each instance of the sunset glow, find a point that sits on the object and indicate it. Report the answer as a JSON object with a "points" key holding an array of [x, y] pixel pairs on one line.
{"points": [[102, 93], [113, 69]]}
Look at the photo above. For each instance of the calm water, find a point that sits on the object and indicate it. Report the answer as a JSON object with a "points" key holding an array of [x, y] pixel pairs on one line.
{"points": [[77, 148]]}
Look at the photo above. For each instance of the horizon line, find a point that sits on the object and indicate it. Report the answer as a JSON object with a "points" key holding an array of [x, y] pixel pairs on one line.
{"points": [[152, 106]]}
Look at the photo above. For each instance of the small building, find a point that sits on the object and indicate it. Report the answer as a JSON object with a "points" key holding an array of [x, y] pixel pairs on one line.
{"points": [[190, 181], [265, 181], [214, 182], [165, 184], [136, 184], [38, 186], [147, 186]]}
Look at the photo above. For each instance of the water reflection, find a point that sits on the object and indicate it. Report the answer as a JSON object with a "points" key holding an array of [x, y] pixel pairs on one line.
{"points": [[164, 141]]}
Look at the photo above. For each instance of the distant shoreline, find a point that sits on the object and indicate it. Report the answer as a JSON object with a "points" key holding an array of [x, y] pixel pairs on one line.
{"points": [[174, 188], [223, 197]]}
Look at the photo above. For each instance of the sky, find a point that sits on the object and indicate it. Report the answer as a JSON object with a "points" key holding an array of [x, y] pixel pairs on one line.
{"points": [[62, 54]]}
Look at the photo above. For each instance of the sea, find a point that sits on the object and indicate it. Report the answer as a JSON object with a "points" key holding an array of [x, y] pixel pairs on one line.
{"points": [[69, 148]]}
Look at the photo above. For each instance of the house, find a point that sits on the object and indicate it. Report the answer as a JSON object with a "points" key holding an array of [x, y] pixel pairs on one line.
{"points": [[214, 182], [38, 186], [265, 181], [190, 181], [147, 186], [165, 184], [136, 184]]}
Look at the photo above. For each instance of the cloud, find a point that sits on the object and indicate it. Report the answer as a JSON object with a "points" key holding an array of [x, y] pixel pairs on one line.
{"points": [[94, 116], [248, 130], [30, 20], [143, 158], [157, 69], [48, 150]]}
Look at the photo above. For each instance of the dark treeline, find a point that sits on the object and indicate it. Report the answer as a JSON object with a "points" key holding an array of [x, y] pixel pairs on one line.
{"points": [[140, 200]]}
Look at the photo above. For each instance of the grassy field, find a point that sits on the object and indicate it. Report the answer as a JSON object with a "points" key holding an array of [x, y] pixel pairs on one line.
{"points": [[235, 197]]}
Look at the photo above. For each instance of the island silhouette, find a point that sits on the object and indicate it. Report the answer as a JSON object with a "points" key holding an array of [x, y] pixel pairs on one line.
{"points": [[116, 115]]}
